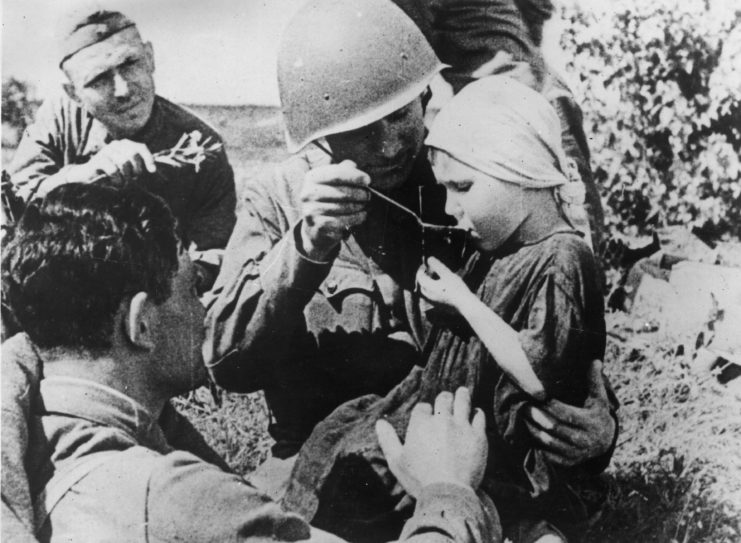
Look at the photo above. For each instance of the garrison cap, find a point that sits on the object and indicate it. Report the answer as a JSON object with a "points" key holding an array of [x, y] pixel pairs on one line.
{"points": [[89, 29]]}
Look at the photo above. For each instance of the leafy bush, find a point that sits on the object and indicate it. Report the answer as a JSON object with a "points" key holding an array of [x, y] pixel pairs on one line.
{"points": [[660, 85], [19, 103]]}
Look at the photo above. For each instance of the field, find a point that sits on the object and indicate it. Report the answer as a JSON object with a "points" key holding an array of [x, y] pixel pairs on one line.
{"points": [[676, 474]]}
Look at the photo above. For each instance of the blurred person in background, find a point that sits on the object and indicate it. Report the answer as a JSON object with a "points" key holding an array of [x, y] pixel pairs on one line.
{"points": [[536, 13]]}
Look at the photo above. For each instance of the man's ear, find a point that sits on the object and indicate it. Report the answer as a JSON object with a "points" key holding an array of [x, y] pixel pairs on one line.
{"points": [[69, 88], [140, 321], [149, 51]]}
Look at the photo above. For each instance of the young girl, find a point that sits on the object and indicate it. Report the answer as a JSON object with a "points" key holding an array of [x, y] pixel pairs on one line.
{"points": [[528, 301]]}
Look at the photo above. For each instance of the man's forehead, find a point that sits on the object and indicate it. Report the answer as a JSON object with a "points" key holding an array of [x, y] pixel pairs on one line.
{"points": [[90, 62]]}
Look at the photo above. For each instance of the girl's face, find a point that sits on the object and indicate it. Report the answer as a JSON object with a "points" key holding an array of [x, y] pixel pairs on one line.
{"points": [[489, 208]]}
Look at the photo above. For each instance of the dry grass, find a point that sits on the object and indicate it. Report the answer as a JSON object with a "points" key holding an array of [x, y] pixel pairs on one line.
{"points": [[237, 428], [676, 474]]}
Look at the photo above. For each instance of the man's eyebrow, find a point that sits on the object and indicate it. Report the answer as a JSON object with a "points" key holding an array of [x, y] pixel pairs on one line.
{"points": [[130, 57], [94, 76]]}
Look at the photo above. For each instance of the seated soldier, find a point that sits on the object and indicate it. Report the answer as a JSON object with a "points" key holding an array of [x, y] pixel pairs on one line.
{"points": [[109, 121], [531, 300], [316, 302], [106, 295]]}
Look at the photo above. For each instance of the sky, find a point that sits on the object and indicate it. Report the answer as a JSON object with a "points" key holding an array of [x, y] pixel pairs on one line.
{"points": [[215, 51], [206, 51]]}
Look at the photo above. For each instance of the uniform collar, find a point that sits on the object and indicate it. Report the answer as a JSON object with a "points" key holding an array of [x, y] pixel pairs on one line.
{"points": [[100, 404]]}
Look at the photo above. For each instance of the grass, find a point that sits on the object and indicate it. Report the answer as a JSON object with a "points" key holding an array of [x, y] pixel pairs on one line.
{"points": [[676, 473], [236, 426]]}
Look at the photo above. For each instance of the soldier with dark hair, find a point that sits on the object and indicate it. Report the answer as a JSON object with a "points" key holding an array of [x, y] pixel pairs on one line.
{"points": [[107, 457]]}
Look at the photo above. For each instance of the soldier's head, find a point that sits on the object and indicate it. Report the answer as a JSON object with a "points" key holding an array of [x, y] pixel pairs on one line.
{"points": [[496, 147], [355, 72], [93, 269], [109, 69]]}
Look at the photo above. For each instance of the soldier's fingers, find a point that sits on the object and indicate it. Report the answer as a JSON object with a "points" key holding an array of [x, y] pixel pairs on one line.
{"points": [[462, 405], [549, 441], [354, 219], [560, 459], [338, 175], [539, 417], [105, 165], [389, 441], [123, 160], [135, 165], [420, 411], [147, 159], [479, 421], [335, 194], [596, 383], [333, 210], [444, 403], [564, 413]]}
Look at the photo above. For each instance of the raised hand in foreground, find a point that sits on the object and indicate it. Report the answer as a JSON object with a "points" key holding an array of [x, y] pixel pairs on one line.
{"points": [[441, 446]]}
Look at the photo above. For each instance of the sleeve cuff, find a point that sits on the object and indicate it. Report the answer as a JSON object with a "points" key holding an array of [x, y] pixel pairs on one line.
{"points": [[441, 500], [302, 254], [455, 512], [293, 269]]}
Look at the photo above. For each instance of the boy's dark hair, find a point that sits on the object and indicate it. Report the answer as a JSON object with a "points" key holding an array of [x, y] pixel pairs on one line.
{"points": [[77, 254]]}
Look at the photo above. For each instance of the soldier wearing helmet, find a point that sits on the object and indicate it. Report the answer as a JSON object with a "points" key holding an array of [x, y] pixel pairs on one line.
{"points": [[315, 303]]}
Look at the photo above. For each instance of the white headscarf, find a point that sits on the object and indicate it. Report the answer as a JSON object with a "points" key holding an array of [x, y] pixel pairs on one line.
{"points": [[507, 130]]}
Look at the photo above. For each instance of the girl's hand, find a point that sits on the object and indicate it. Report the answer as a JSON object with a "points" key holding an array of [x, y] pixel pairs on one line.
{"points": [[441, 286]]}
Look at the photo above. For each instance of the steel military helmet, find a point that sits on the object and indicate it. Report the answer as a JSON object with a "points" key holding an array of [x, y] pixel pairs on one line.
{"points": [[343, 64]]}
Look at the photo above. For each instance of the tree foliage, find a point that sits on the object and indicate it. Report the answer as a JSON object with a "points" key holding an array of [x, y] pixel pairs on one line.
{"points": [[19, 104], [660, 84]]}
